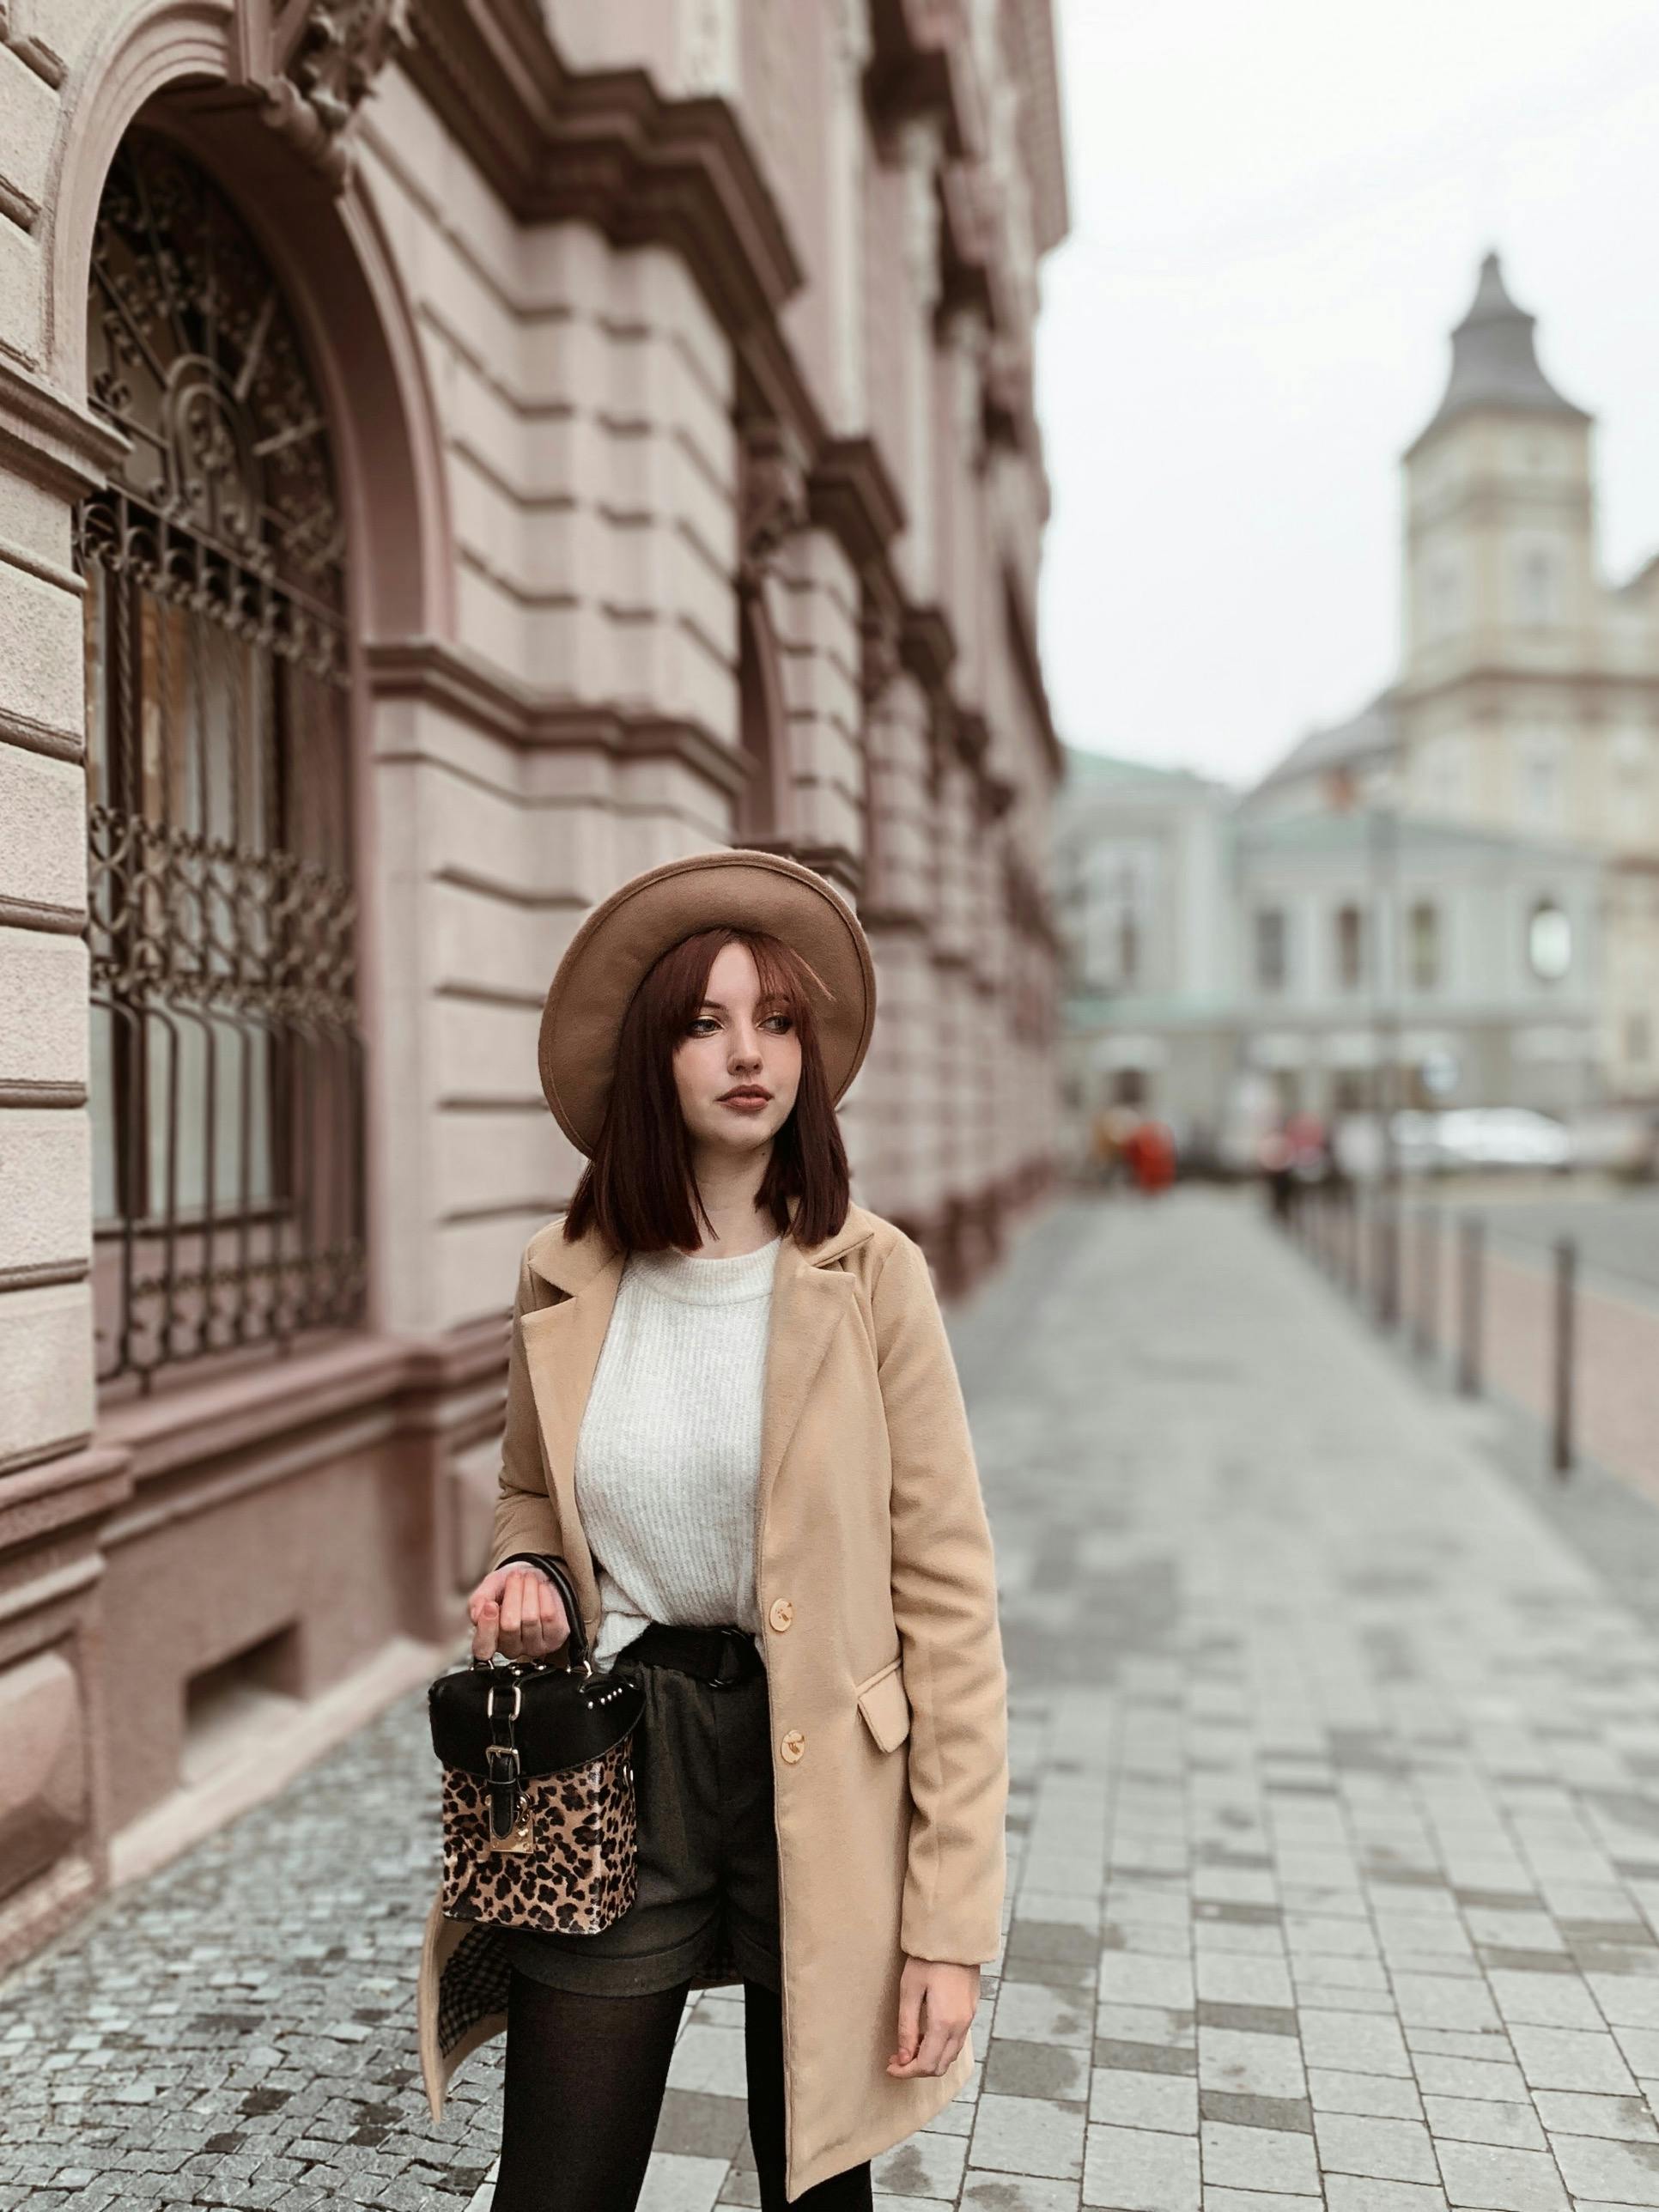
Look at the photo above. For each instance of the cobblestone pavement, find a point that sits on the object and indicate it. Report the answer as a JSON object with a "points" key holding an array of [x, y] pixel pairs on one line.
{"points": [[1334, 1834]]}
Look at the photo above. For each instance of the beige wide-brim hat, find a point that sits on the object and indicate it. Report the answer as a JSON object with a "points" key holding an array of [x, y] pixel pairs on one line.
{"points": [[619, 941]]}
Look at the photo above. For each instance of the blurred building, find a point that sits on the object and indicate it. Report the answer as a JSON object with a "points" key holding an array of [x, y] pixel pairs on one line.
{"points": [[1450, 899], [453, 454], [1227, 965]]}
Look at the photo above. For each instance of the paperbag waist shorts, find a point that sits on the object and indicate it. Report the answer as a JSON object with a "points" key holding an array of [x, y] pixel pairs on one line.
{"points": [[706, 1911]]}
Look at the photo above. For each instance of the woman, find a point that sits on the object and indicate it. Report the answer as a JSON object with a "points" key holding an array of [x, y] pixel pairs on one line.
{"points": [[733, 1413]]}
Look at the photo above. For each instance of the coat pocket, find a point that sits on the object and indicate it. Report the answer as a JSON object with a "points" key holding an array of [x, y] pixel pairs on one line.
{"points": [[886, 1707]]}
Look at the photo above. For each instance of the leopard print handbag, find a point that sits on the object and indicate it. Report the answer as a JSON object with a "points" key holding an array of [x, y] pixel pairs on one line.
{"points": [[539, 1827]]}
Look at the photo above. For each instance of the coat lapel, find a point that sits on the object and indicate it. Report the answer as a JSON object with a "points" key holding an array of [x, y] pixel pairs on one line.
{"points": [[563, 1343]]}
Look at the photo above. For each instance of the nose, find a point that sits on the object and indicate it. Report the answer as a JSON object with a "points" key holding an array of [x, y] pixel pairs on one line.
{"points": [[745, 1045]]}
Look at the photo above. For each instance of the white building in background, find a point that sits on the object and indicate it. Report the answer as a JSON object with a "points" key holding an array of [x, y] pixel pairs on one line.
{"points": [[1463, 879], [1225, 963]]}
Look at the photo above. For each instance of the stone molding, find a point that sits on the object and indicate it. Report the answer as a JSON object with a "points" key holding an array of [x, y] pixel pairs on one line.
{"points": [[1028, 667], [446, 677], [22, 32], [313, 63], [46, 438]]}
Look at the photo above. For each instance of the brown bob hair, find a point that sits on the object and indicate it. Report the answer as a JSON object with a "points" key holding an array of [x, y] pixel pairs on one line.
{"points": [[638, 1189]]}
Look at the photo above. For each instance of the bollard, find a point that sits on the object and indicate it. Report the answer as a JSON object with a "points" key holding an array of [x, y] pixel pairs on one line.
{"points": [[1471, 1286], [1388, 1283], [1566, 1268], [1425, 1330]]}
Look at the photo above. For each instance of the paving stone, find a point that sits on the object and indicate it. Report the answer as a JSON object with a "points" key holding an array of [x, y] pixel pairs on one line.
{"points": [[1386, 2149], [1616, 2172], [924, 2166], [1565, 2058], [1164, 2101], [1380, 2094], [1035, 2070], [1501, 2180], [1354, 2043], [1349, 2192], [1254, 2065], [1484, 2120], [1032, 2012], [1258, 2158], [1029, 2135], [1139, 2170], [1566, 2111]]}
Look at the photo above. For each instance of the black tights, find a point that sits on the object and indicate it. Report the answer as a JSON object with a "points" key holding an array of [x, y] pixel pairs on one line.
{"points": [[583, 2089]]}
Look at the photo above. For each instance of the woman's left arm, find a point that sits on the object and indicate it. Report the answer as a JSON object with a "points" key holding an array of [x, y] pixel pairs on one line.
{"points": [[944, 1604]]}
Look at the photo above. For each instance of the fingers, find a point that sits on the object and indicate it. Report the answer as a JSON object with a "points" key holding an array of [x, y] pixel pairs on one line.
{"points": [[910, 2023], [933, 2026], [516, 1611]]}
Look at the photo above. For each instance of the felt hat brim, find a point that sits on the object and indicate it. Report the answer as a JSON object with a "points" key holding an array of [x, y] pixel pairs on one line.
{"points": [[623, 937]]}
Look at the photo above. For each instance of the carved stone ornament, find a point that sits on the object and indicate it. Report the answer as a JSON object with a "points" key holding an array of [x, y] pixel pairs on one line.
{"points": [[325, 57], [879, 628], [774, 497]]}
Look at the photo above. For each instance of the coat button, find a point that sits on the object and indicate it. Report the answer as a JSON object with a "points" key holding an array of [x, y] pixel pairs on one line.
{"points": [[782, 1613], [793, 1746]]}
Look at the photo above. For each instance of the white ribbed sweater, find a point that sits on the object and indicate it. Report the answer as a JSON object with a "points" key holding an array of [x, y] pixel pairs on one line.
{"points": [[668, 1451]]}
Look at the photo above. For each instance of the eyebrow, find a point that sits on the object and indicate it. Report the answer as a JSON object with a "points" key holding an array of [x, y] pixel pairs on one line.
{"points": [[766, 999]]}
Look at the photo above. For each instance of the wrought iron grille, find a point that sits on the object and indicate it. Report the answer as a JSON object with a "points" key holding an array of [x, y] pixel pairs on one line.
{"points": [[227, 1061]]}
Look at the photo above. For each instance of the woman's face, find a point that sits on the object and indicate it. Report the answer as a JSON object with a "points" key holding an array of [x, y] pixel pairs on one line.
{"points": [[737, 1046]]}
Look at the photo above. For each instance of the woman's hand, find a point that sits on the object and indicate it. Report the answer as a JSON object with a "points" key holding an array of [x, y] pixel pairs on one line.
{"points": [[936, 2008], [517, 1611]]}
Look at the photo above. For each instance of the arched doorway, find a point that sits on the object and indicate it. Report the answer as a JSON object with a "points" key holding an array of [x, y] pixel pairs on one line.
{"points": [[227, 1062]]}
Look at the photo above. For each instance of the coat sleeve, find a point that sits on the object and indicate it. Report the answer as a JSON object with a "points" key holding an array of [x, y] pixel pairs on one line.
{"points": [[945, 1603], [526, 1519]]}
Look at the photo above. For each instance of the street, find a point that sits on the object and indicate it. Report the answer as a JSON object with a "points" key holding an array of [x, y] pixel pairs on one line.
{"points": [[1333, 1849]]}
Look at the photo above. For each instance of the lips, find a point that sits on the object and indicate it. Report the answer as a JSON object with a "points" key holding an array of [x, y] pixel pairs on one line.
{"points": [[748, 1097]]}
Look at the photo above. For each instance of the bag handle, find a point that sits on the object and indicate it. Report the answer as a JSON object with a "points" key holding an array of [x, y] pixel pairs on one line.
{"points": [[559, 1575]]}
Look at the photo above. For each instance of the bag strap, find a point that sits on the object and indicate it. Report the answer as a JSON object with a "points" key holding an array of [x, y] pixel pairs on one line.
{"points": [[559, 1575]]}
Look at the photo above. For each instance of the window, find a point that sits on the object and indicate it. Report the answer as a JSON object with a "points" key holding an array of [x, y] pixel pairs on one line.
{"points": [[1549, 942], [1442, 605], [227, 1057], [1349, 948], [1541, 792], [1271, 948], [1423, 945], [1535, 587]]}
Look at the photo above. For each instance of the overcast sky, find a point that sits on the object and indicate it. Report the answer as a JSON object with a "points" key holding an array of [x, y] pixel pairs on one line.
{"points": [[1278, 213]]}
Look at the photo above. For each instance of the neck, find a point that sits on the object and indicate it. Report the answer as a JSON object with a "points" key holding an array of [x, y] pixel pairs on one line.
{"points": [[729, 1185]]}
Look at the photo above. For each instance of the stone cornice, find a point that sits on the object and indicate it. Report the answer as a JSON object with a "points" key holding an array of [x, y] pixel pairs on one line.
{"points": [[1485, 676], [606, 148], [927, 646], [919, 66], [442, 676], [62, 448], [850, 495], [1022, 633], [838, 862]]}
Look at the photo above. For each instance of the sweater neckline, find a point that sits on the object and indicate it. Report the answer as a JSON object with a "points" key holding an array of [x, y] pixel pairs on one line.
{"points": [[696, 1281]]}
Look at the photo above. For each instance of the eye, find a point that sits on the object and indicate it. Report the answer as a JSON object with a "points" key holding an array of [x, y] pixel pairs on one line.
{"points": [[788, 1020], [700, 1025]]}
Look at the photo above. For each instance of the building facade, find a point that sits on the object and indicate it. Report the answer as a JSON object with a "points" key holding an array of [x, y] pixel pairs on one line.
{"points": [[453, 454], [1230, 966]]}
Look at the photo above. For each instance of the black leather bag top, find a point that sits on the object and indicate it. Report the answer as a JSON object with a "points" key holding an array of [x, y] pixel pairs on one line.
{"points": [[565, 1716]]}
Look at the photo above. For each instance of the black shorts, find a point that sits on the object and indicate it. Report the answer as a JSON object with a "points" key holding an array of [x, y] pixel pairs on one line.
{"points": [[706, 1906]]}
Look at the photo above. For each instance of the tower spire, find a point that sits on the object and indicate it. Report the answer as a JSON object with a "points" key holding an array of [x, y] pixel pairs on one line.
{"points": [[1493, 361]]}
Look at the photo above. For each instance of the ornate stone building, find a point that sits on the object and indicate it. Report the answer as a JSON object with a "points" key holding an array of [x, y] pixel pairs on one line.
{"points": [[452, 453]]}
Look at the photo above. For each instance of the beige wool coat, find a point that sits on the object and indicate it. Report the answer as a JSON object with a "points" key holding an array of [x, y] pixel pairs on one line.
{"points": [[877, 1589]]}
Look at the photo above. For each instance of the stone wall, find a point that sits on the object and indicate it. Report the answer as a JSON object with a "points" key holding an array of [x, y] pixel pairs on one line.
{"points": [[678, 379]]}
